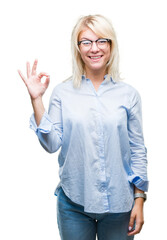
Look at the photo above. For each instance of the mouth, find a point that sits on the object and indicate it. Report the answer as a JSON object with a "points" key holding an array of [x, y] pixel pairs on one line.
{"points": [[95, 58]]}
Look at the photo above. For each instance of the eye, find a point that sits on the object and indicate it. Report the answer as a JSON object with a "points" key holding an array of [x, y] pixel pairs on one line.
{"points": [[86, 43], [102, 41]]}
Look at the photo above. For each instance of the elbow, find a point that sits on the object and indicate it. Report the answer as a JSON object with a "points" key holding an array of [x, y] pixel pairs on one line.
{"points": [[51, 143], [50, 148]]}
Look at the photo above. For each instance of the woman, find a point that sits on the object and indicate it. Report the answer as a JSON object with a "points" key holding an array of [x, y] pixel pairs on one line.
{"points": [[96, 120]]}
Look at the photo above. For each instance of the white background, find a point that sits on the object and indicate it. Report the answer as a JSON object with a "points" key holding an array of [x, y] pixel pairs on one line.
{"points": [[41, 29]]}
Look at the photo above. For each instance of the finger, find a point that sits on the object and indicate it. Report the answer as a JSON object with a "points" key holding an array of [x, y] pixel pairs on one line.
{"points": [[28, 69], [34, 68], [43, 74], [22, 76], [137, 229], [46, 83], [134, 232], [131, 222]]}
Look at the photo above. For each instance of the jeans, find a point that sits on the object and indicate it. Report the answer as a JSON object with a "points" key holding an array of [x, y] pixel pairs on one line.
{"points": [[75, 224]]}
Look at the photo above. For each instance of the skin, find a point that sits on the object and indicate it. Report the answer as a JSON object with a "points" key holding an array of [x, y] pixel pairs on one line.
{"points": [[95, 70]]}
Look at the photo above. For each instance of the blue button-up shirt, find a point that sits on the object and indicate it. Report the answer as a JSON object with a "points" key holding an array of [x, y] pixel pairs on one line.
{"points": [[102, 153]]}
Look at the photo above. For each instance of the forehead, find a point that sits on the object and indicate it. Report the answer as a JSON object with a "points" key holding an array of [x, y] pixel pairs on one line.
{"points": [[87, 33]]}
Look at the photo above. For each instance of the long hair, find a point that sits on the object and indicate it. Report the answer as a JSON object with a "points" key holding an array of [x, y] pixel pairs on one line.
{"points": [[102, 27]]}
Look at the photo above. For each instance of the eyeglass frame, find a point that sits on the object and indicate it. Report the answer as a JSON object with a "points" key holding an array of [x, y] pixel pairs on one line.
{"points": [[108, 40]]}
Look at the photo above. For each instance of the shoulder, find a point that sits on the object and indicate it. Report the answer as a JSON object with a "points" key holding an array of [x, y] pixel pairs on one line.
{"points": [[130, 90], [63, 86]]}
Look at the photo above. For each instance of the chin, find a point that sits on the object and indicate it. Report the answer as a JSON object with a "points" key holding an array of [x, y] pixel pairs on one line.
{"points": [[97, 68]]}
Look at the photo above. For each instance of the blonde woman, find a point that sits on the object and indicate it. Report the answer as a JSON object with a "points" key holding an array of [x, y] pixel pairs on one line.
{"points": [[96, 120]]}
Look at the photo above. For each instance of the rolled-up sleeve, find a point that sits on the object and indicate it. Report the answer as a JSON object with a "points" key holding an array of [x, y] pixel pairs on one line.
{"points": [[50, 129], [138, 174]]}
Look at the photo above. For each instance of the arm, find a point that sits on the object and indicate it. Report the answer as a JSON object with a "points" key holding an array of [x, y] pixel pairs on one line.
{"points": [[138, 161], [138, 175], [48, 127]]}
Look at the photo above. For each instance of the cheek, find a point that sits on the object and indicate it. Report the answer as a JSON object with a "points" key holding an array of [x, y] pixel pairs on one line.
{"points": [[108, 54], [108, 58], [83, 57]]}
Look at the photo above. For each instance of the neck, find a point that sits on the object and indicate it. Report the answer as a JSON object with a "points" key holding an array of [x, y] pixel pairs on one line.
{"points": [[96, 76]]}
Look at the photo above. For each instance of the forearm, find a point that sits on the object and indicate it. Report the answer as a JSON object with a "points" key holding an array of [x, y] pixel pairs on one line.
{"points": [[38, 108]]}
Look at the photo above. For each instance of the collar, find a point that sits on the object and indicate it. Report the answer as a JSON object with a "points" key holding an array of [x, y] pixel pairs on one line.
{"points": [[84, 78]]}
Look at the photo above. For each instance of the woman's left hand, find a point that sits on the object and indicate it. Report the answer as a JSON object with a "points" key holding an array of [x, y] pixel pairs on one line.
{"points": [[136, 216]]}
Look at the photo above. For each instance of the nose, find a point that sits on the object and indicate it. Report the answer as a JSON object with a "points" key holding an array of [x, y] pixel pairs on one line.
{"points": [[94, 47]]}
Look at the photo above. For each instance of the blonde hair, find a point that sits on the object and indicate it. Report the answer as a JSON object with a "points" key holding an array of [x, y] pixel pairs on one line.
{"points": [[102, 27]]}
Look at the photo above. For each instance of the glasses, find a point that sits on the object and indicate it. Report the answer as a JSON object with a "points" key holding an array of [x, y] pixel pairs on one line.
{"points": [[101, 43]]}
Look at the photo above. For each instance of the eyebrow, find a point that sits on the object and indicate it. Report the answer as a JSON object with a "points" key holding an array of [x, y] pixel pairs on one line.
{"points": [[85, 38]]}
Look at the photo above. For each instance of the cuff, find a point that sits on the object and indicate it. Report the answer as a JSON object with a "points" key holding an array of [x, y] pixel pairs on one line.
{"points": [[45, 125], [139, 182]]}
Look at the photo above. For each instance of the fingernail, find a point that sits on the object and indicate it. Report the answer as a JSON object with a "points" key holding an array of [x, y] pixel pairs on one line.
{"points": [[130, 228]]}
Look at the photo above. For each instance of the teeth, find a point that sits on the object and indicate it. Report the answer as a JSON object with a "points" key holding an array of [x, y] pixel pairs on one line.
{"points": [[96, 57]]}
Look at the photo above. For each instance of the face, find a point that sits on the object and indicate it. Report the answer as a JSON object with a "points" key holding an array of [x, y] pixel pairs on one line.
{"points": [[95, 58]]}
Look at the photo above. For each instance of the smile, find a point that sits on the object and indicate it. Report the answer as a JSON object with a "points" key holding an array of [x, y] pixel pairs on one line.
{"points": [[95, 58]]}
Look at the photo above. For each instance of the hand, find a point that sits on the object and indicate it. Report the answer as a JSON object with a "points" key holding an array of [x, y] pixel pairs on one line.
{"points": [[33, 81], [136, 216]]}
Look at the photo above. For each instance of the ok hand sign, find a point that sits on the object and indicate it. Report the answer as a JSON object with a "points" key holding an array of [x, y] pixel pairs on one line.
{"points": [[33, 81]]}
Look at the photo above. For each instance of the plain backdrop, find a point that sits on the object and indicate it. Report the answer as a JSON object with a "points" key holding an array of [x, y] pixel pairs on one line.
{"points": [[42, 29]]}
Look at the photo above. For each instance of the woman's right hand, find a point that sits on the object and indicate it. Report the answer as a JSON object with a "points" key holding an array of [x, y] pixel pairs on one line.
{"points": [[33, 81]]}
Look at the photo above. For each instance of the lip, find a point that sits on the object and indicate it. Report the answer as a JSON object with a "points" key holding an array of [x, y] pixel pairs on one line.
{"points": [[95, 58]]}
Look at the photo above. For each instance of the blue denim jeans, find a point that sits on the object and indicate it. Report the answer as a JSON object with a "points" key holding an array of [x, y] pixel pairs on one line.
{"points": [[75, 224]]}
